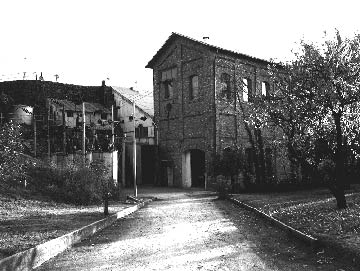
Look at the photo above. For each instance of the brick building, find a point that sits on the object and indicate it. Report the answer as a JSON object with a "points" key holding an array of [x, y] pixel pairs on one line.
{"points": [[195, 85]]}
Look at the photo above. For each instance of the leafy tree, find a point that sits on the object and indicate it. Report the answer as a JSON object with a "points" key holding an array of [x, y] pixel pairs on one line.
{"points": [[12, 163], [6, 103], [316, 103]]}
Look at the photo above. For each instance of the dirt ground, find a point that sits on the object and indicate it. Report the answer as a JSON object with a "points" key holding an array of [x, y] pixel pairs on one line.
{"points": [[193, 231], [25, 223]]}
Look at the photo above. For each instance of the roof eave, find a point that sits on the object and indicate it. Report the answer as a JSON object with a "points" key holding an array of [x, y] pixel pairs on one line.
{"points": [[212, 48]]}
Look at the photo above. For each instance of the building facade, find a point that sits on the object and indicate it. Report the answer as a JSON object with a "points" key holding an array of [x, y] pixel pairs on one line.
{"points": [[138, 120], [198, 89]]}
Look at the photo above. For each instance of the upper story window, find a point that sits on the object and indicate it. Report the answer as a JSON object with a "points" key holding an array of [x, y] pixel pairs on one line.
{"points": [[194, 87], [225, 85], [247, 90], [265, 88], [167, 79], [141, 131]]}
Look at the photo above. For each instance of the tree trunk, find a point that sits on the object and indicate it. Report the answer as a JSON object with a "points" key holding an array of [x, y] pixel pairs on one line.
{"points": [[338, 188], [339, 194]]}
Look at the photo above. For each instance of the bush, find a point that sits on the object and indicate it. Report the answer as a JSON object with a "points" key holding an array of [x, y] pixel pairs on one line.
{"points": [[83, 187], [223, 186], [76, 183]]}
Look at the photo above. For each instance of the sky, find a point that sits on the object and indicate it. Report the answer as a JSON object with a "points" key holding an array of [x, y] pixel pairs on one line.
{"points": [[87, 41]]}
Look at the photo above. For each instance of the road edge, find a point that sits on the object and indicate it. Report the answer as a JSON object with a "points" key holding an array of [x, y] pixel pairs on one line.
{"points": [[308, 239], [315, 243], [34, 257]]}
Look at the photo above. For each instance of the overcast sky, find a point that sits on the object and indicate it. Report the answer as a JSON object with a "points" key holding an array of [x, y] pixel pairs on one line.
{"points": [[85, 41]]}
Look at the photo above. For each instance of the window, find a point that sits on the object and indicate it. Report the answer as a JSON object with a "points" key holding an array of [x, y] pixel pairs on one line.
{"points": [[151, 132], [225, 86], [168, 93], [194, 86], [144, 132], [247, 90], [167, 80], [69, 114], [141, 131], [265, 88], [103, 116]]}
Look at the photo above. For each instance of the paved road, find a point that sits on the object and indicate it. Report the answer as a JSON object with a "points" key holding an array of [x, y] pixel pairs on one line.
{"points": [[191, 231]]}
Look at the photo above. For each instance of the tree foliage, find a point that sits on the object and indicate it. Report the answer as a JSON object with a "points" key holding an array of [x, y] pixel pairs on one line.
{"points": [[315, 103], [12, 163]]}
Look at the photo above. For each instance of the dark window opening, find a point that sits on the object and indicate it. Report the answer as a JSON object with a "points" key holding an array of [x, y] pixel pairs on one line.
{"points": [[167, 78], [194, 86], [141, 131], [225, 86], [168, 89], [69, 114]]}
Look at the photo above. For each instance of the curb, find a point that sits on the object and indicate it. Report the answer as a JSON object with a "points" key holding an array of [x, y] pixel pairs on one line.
{"points": [[34, 257], [313, 242]]}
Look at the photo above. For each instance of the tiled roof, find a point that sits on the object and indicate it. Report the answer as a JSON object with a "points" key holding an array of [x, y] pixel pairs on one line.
{"points": [[70, 106], [174, 35], [144, 101]]}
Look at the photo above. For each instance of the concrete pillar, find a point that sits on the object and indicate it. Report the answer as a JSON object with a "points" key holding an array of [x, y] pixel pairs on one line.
{"points": [[186, 169]]}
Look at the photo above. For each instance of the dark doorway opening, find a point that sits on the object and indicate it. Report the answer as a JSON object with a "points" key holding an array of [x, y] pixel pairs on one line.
{"points": [[197, 161], [148, 165]]}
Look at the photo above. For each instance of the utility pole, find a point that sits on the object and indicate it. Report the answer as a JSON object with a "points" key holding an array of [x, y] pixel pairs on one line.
{"points": [[84, 132], [123, 161], [112, 127], [34, 120], [113, 152], [48, 131], [64, 129], [134, 150]]}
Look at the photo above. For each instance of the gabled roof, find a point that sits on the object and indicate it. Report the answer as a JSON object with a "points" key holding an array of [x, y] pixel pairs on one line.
{"points": [[70, 106], [144, 102], [210, 47]]}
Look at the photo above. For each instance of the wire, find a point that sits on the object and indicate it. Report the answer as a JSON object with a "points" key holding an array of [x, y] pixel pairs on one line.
{"points": [[143, 96]]}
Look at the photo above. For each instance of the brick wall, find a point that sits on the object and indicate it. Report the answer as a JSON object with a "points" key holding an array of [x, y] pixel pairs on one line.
{"points": [[206, 122]]}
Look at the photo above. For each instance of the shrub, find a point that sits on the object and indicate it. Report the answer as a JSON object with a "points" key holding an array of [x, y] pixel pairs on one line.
{"points": [[82, 187], [223, 186], [75, 183]]}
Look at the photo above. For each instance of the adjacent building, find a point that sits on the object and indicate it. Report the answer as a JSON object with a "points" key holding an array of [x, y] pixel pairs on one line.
{"points": [[137, 119]]}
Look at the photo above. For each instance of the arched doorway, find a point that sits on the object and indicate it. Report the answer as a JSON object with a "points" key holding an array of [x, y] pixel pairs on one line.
{"points": [[193, 168]]}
